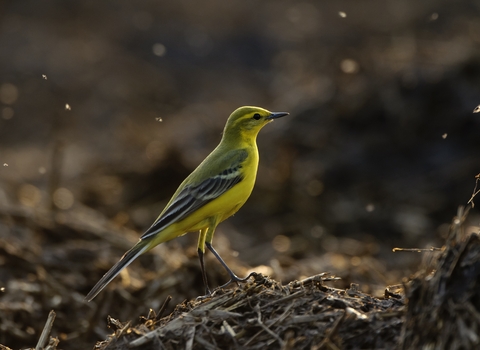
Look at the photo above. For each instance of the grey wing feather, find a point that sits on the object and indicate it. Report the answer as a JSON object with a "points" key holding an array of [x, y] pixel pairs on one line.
{"points": [[193, 197]]}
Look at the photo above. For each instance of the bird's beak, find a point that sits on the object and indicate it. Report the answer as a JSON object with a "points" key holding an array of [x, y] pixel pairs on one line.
{"points": [[276, 115]]}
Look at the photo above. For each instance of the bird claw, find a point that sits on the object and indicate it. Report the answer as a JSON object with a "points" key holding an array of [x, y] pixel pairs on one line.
{"points": [[237, 280], [203, 297], [208, 294]]}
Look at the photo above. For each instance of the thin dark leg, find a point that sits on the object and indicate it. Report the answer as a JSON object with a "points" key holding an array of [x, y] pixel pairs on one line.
{"points": [[233, 277], [204, 273]]}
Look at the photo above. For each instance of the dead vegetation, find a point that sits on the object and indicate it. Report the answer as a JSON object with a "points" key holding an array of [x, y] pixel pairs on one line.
{"points": [[439, 309], [259, 313], [263, 313], [443, 307]]}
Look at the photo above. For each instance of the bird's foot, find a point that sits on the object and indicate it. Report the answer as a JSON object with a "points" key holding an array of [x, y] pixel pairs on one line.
{"points": [[235, 279], [208, 294]]}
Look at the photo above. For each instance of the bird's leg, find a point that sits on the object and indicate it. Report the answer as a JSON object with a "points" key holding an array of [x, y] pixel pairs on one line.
{"points": [[201, 253], [233, 277], [213, 222]]}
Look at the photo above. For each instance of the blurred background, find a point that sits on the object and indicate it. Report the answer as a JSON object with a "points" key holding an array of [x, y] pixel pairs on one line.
{"points": [[106, 106]]}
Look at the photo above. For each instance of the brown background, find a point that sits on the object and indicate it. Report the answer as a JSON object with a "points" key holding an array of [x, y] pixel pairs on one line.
{"points": [[380, 149]]}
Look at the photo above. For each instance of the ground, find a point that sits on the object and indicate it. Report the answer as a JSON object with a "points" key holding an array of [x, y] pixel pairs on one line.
{"points": [[437, 307]]}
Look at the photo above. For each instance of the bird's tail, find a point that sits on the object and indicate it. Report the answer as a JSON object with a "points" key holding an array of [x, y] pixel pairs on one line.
{"points": [[138, 249]]}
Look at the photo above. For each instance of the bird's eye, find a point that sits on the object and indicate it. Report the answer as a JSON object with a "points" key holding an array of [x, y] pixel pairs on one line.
{"points": [[256, 116]]}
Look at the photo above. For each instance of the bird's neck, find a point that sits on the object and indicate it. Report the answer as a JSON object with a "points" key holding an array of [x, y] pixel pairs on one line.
{"points": [[239, 140]]}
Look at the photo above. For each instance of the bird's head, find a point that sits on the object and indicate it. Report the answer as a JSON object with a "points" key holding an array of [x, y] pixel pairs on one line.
{"points": [[247, 121]]}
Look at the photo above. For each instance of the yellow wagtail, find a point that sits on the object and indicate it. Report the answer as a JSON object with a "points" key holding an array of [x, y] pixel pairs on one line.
{"points": [[214, 191]]}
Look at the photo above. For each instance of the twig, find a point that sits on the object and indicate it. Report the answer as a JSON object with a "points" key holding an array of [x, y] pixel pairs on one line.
{"points": [[417, 250], [184, 320], [327, 341], [295, 295], [265, 328], [52, 344], [187, 319], [325, 276], [282, 316], [475, 191], [299, 319], [228, 329], [46, 331], [205, 344], [190, 335], [163, 307]]}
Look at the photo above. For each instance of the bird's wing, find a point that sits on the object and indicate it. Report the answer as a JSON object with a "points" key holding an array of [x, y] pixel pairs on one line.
{"points": [[196, 195]]}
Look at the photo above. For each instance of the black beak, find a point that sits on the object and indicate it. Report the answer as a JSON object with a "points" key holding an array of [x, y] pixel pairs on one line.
{"points": [[276, 115]]}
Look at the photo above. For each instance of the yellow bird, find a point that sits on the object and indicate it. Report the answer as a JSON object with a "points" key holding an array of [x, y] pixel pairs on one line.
{"points": [[214, 191]]}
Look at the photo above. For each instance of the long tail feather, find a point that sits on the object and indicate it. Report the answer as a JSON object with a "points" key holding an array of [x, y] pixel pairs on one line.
{"points": [[126, 259]]}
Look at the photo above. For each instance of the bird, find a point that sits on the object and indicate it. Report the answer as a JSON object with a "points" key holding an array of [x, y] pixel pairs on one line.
{"points": [[214, 191]]}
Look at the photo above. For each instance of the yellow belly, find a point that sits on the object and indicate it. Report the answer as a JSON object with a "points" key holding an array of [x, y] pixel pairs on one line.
{"points": [[222, 207]]}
